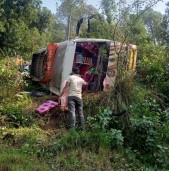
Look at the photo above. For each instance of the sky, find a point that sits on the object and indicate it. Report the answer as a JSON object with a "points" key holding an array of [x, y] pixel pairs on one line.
{"points": [[51, 5]]}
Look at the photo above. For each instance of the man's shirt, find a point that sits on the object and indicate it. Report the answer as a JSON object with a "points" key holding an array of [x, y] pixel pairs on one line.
{"points": [[75, 85]]}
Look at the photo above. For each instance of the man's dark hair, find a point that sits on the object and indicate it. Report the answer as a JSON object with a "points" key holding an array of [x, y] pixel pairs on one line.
{"points": [[75, 70]]}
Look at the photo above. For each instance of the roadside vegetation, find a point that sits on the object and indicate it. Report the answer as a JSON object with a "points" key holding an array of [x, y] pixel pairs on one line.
{"points": [[136, 140]]}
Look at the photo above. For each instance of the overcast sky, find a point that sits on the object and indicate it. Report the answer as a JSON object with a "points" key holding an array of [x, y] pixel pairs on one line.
{"points": [[51, 4]]}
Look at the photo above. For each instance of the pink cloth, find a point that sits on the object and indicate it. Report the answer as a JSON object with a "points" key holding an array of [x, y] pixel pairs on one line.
{"points": [[64, 97]]}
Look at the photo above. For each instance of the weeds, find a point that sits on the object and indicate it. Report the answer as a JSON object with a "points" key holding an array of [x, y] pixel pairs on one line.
{"points": [[16, 161]]}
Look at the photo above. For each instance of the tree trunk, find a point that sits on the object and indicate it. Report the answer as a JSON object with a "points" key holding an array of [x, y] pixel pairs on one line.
{"points": [[69, 25]]}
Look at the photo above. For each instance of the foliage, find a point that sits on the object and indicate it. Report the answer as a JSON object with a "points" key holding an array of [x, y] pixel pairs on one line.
{"points": [[101, 120], [24, 27], [66, 11], [153, 68], [144, 131], [146, 141], [10, 79], [108, 8], [13, 160], [11, 106], [138, 34], [153, 21], [99, 29], [165, 26], [14, 116], [93, 141]]}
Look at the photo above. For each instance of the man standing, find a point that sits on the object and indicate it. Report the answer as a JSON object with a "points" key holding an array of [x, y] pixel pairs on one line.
{"points": [[74, 86]]}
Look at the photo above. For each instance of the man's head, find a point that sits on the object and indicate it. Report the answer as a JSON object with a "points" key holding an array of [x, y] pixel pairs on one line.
{"points": [[75, 70]]}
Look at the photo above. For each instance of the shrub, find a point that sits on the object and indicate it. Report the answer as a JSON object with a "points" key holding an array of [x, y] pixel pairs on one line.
{"points": [[15, 117], [11, 81], [16, 111]]}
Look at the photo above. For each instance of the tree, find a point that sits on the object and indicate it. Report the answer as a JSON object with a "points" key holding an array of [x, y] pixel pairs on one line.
{"points": [[57, 30], [21, 9], [165, 27], [153, 23], [24, 26], [44, 19], [109, 8], [99, 29], [69, 11]]}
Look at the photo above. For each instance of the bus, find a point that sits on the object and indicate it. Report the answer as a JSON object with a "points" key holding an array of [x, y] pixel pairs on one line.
{"points": [[97, 60]]}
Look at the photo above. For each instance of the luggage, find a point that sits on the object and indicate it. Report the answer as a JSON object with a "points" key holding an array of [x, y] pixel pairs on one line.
{"points": [[45, 107]]}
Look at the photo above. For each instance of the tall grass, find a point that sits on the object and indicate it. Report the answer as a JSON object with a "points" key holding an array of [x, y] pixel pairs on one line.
{"points": [[11, 160]]}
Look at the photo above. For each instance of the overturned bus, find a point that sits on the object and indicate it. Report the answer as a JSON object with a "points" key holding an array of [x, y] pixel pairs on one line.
{"points": [[96, 58]]}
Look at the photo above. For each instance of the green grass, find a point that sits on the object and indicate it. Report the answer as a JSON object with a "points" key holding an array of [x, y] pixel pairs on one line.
{"points": [[79, 159], [12, 160]]}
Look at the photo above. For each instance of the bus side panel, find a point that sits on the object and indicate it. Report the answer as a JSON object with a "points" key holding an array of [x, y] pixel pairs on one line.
{"points": [[68, 60], [51, 51], [55, 82]]}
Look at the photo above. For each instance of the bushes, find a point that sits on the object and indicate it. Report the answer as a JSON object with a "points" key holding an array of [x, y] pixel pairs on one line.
{"points": [[146, 141], [143, 129], [146, 134], [143, 135], [153, 69], [12, 107], [14, 116], [11, 80]]}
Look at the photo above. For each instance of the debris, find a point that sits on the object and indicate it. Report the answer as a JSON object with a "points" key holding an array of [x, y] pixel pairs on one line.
{"points": [[45, 107], [37, 93]]}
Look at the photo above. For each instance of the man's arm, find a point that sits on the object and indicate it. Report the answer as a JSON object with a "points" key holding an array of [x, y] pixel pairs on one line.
{"points": [[83, 82]]}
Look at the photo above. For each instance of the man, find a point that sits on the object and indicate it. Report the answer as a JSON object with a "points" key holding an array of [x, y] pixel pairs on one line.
{"points": [[74, 86]]}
